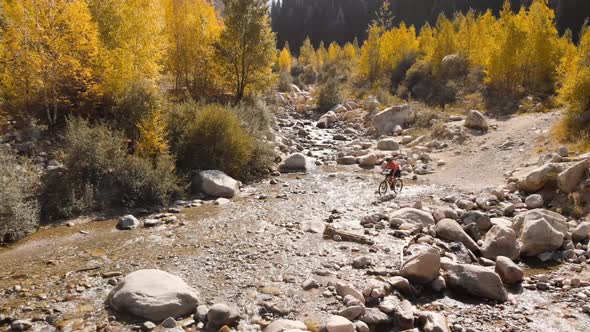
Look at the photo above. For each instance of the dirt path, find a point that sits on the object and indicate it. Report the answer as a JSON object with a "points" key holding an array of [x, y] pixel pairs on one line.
{"points": [[483, 160]]}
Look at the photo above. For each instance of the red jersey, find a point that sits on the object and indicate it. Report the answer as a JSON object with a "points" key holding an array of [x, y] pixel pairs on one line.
{"points": [[392, 166]]}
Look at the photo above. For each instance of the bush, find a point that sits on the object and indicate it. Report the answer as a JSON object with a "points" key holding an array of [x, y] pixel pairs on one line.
{"points": [[214, 139], [136, 102], [329, 95], [285, 81], [398, 74], [99, 173], [19, 208], [255, 117], [421, 85]]}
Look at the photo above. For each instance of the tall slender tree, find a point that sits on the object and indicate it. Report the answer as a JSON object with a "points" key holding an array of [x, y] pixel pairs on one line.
{"points": [[246, 48]]}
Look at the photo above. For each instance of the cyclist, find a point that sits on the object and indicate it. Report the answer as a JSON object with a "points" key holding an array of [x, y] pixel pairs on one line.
{"points": [[394, 170]]}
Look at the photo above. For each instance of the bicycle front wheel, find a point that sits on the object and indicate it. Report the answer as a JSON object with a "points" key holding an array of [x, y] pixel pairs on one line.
{"points": [[398, 186], [383, 188]]}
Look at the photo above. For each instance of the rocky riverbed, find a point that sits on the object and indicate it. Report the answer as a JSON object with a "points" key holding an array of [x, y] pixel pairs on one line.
{"points": [[315, 250]]}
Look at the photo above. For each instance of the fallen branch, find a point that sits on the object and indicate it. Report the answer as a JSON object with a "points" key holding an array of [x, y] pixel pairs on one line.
{"points": [[330, 232]]}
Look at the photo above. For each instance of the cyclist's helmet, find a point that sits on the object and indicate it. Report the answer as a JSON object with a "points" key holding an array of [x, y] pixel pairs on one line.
{"points": [[388, 160]]}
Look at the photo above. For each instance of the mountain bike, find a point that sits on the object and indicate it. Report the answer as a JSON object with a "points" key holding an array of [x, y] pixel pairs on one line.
{"points": [[396, 184]]}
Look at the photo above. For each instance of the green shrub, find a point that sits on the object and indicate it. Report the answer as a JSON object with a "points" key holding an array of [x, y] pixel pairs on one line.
{"points": [[255, 117], [285, 81], [214, 139], [99, 173], [19, 208], [329, 95], [137, 101]]}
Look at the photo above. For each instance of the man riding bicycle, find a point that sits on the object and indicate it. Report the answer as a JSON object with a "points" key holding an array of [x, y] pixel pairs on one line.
{"points": [[394, 170]]}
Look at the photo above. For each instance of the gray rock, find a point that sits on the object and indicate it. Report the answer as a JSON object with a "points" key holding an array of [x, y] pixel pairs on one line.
{"points": [[282, 325], [414, 216], [374, 316], [344, 289], [433, 322], [569, 179], [216, 184], [347, 160], [169, 323], [475, 280], [369, 160], [352, 312], [361, 326], [388, 144], [539, 236], [128, 222], [154, 295], [296, 162], [422, 267], [534, 201], [481, 219], [362, 262], [500, 241], [21, 325], [581, 232], [535, 179], [386, 120], [327, 120], [201, 314], [339, 324], [310, 284], [508, 271], [450, 230], [221, 314], [476, 120]]}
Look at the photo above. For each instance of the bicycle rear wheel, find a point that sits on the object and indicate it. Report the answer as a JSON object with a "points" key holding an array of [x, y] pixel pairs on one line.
{"points": [[398, 186], [383, 187]]}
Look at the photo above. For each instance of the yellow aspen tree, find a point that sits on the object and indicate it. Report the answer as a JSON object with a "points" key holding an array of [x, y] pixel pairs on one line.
{"points": [[504, 67], [50, 57], [246, 47], [192, 28], [284, 60], [350, 54], [543, 47], [322, 55], [486, 35], [426, 39], [133, 35], [307, 54], [152, 143], [574, 73], [334, 52], [444, 42]]}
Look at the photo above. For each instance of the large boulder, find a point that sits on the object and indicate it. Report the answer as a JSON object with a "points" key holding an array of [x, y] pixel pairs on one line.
{"points": [[296, 162], [154, 295], [414, 216], [433, 322], [128, 222], [581, 232], [327, 120], [347, 160], [339, 324], [556, 220], [569, 179], [481, 219], [450, 230], [538, 236], [508, 271], [282, 325], [535, 179], [386, 120], [422, 267], [475, 280], [217, 184], [388, 144], [476, 120], [369, 160], [500, 241]]}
